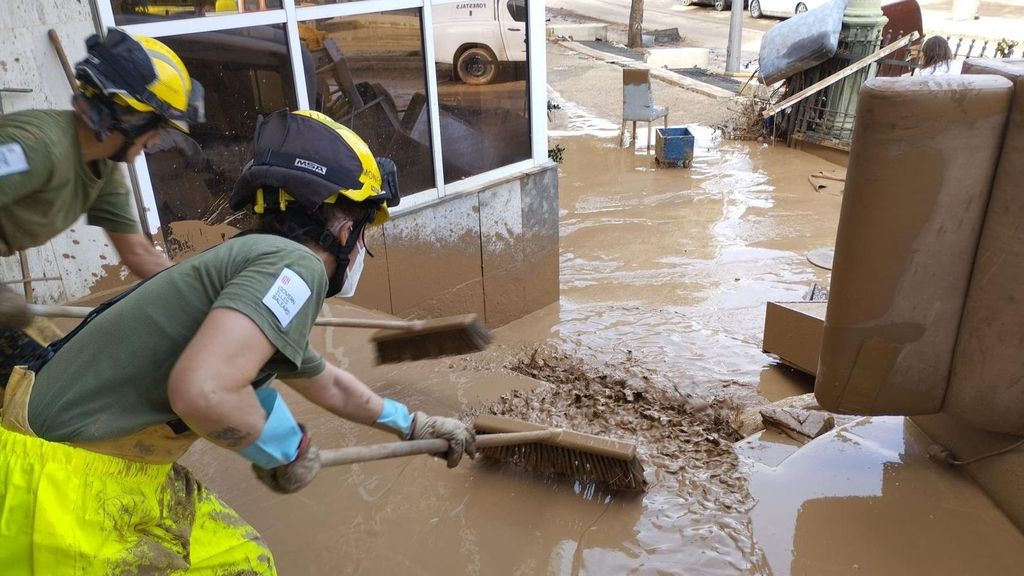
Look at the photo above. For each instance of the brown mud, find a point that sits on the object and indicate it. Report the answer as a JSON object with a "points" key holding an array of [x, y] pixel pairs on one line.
{"points": [[866, 499], [695, 487], [655, 340], [189, 237]]}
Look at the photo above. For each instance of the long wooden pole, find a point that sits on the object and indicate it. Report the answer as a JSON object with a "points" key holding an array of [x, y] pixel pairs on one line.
{"points": [[59, 49], [56, 311], [356, 454], [826, 82]]}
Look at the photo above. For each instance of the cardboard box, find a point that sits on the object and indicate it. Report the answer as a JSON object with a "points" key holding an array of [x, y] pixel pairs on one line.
{"points": [[793, 331]]}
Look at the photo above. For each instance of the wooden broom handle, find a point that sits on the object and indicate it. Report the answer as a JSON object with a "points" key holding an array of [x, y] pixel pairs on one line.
{"points": [[59, 49], [357, 454], [369, 323], [54, 311]]}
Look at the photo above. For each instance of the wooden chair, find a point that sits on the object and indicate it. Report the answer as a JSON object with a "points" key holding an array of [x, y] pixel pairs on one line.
{"points": [[638, 103]]}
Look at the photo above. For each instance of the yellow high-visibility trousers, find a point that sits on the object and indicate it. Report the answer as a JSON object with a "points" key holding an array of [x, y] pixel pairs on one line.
{"points": [[70, 511]]}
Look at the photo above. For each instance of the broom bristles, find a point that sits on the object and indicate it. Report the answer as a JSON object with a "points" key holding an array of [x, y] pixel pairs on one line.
{"points": [[432, 339], [572, 464], [577, 456]]}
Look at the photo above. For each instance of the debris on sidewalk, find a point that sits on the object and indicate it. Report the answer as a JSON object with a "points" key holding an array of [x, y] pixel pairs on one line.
{"points": [[798, 417], [801, 425], [831, 182], [744, 121]]}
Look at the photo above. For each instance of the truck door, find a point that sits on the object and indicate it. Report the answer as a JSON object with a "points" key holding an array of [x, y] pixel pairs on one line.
{"points": [[512, 19]]}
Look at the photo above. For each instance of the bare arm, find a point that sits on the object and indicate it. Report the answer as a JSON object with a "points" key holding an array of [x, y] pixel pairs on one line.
{"points": [[210, 385], [341, 393], [138, 253]]}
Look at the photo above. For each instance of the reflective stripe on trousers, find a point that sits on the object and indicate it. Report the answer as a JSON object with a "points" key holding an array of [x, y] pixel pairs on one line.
{"points": [[69, 511]]}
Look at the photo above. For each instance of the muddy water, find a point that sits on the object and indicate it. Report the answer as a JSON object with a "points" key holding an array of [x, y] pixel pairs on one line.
{"points": [[670, 268], [866, 499], [657, 335], [664, 277]]}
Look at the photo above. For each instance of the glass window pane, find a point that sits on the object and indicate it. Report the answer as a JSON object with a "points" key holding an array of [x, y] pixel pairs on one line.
{"points": [[480, 48], [516, 9], [371, 77], [139, 11], [245, 72]]}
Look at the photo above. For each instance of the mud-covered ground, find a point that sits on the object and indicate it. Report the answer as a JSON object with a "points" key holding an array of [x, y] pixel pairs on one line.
{"points": [[695, 491], [655, 340], [696, 510]]}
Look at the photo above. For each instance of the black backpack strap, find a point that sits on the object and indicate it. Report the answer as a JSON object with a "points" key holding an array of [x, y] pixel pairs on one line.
{"points": [[47, 353]]}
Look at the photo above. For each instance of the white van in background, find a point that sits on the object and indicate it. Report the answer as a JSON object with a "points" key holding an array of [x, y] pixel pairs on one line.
{"points": [[474, 35]]}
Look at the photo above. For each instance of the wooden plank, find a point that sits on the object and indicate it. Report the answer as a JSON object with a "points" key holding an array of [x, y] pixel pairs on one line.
{"points": [[25, 274], [826, 82]]}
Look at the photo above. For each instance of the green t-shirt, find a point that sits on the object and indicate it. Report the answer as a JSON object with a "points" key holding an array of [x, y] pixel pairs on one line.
{"points": [[110, 380], [45, 186]]}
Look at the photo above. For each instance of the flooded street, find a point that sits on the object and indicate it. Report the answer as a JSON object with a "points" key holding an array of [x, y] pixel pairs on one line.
{"points": [[656, 340], [670, 268], [612, 307]]}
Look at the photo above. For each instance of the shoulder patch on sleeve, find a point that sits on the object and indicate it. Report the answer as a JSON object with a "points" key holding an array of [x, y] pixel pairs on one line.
{"points": [[12, 159], [286, 297]]}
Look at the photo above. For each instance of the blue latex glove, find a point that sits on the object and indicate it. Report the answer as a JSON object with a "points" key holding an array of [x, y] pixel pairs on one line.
{"points": [[396, 418], [279, 441]]}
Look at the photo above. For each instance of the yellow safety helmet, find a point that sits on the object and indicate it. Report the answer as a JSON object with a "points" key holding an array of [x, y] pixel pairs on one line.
{"points": [[305, 159], [142, 74]]}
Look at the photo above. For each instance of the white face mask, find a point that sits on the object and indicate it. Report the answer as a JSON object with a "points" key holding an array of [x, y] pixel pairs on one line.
{"points": [[348, 289]]}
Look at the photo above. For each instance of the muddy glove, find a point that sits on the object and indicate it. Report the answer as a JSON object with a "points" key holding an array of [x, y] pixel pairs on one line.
{"points": [[282, 457], [395, 417], [460, 437], [295, 475], [13, 309]]}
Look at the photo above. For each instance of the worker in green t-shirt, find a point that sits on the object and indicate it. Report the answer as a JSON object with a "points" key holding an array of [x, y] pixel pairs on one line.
{"points": [[90, 434], [56, 165]]}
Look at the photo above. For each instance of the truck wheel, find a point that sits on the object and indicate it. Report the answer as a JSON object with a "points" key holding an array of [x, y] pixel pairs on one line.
{"points": [[755, 9], [801, 8], [719, 5], [477, 66]]}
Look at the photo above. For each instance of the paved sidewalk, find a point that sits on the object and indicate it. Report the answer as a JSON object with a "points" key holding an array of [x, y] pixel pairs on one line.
{"points": [[663, 74], [997, 19]]}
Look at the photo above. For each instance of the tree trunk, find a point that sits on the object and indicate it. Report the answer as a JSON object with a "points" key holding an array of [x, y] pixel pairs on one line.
{"points": [[636, 24]]}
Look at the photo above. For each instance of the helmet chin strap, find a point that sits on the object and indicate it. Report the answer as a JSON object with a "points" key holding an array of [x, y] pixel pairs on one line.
{"points": [[131, 132], [341, 253], [122, 153], [104, 117]]}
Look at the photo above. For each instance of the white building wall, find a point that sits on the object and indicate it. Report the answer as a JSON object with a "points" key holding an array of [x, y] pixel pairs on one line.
{"points": [[82, 256]]}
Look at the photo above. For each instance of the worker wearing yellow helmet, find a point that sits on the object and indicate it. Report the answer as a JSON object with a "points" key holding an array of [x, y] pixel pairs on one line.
{"points": [[56, 165], [92, 428]]}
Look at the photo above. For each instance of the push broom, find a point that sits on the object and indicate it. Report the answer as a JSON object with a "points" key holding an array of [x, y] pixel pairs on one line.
{"points": [[395, 340], [580, 457]]}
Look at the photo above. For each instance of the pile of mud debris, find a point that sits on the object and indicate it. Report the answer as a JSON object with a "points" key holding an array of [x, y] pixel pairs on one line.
{"points": [[672, 435], [686, 447]]}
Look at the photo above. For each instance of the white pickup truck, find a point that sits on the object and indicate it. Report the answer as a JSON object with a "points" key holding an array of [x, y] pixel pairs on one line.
{"points": [[475, 35]]}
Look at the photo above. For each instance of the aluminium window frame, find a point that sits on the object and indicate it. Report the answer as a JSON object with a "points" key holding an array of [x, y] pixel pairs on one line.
{"points": [[290, 15]]}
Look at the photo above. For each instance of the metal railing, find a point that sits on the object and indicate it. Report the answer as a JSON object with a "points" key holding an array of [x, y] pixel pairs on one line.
{"points": [[827, 117]]}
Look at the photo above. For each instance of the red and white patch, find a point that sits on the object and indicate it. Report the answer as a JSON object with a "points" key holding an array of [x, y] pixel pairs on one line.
{"points": [[286, 297]]}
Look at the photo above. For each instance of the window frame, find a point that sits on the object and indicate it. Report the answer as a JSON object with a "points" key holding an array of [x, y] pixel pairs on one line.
{"points": [[290, 15]]}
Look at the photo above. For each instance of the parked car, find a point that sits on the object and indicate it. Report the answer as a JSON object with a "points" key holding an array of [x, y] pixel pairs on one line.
{"points": [[718, 5], [474, 36], [782, 8]]}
